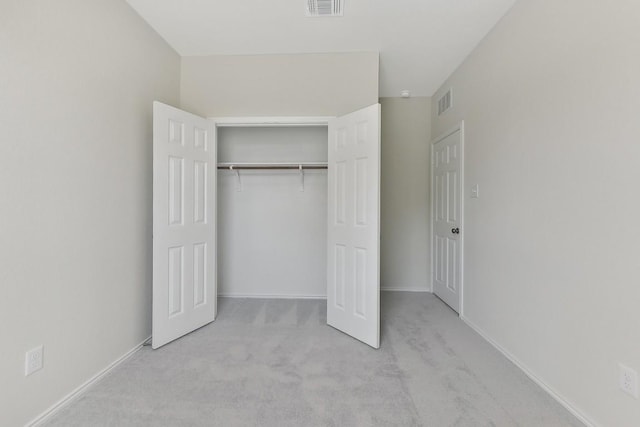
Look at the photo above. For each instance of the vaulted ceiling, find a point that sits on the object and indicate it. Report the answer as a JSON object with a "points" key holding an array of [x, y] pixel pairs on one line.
{"points": [[421, 42]]}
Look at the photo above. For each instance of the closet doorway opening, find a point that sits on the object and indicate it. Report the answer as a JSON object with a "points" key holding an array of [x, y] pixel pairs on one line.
{"points": [[272, 211]]}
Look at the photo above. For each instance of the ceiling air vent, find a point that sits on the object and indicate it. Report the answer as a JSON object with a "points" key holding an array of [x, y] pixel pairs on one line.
{"points": [[444, 103], [325, 7]]}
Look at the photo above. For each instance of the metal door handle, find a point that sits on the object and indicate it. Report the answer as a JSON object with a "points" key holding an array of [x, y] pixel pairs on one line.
{"points": [[455, 230]]}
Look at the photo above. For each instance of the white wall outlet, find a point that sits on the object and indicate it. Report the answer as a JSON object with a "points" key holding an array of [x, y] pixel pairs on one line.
{"points": [[34, 360], [628, 380]]}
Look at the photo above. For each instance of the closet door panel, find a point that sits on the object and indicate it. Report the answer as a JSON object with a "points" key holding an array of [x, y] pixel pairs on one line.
{"points": [[353, 288], [184, 294]]}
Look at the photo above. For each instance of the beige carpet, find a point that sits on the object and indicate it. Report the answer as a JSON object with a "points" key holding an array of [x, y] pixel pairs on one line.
{"points": [[276, 363]]}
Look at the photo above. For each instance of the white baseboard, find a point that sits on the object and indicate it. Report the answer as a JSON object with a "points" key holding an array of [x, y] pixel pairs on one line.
{"points": [[555, 394], [283, 296], [271, 296], [403, 289], [82, 388]]}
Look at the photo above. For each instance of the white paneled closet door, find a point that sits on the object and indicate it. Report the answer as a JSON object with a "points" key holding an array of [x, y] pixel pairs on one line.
{"points": [[184, 208], [353, 275]]}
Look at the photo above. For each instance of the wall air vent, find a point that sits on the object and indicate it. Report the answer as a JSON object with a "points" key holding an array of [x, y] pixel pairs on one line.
{"points": [[321, 8], [445, 102]]}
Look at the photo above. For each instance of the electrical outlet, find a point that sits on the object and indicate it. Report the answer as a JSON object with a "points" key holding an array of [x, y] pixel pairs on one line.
{"points": [[628, 380], [33, 360]]}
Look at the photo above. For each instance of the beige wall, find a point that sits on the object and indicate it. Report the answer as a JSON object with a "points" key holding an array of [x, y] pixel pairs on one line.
{"points": [[78, 79], [406, 133], [551, 103], [279, 85]]}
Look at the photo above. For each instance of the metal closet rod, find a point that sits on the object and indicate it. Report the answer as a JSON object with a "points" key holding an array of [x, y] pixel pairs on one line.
{"points": [[296, 166]]}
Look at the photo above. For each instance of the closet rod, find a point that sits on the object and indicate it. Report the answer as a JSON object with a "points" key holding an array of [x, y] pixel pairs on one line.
{"points": [[296, 166]]}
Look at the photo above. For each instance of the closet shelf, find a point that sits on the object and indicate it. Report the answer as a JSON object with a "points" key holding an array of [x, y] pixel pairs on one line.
{"points": [[296, 166]]}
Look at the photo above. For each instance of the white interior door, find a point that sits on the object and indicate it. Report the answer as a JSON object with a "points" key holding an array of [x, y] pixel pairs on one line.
{"points": [[353, 258], [447, 202], [184, 173]]}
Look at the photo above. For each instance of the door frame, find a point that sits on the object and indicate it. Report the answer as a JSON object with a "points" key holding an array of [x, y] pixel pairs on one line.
{"points": [[269, 121], [458, 127]]}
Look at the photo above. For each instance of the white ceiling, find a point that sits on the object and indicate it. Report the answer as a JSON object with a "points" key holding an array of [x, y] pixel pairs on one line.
{"points": [[421, 42]]}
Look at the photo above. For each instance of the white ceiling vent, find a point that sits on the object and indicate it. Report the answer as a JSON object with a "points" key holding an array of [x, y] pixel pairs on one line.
{"points": [[445, 102], [325, 7]]}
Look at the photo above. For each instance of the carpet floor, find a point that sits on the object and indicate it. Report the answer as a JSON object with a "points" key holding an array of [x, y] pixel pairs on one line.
{"points": [[276, 363]]}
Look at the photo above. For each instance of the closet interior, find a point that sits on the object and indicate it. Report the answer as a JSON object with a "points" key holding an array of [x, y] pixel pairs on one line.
{"points": [[272, 211]]}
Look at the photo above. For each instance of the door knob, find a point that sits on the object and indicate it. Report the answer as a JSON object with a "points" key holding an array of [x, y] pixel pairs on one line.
{"points": [[455, 230]]}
